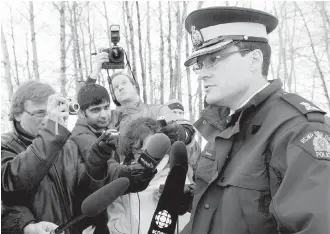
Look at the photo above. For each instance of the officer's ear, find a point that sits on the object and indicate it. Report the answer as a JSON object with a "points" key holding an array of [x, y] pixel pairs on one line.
{"points": [[257, 59]]}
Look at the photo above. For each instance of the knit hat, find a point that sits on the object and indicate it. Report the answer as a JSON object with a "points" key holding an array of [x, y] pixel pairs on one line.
{"points": [[92, 94]]}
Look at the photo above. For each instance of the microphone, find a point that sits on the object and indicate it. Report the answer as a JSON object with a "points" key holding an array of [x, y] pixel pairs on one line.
{"points": [[167, 212], [157, 147], [97, 202]]}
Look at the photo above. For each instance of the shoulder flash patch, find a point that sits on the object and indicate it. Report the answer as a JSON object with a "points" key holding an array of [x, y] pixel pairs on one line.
{"points": [[316, 143], [300, 103]]}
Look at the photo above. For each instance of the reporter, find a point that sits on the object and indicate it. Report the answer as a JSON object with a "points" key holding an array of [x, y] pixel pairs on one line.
{"points": [[126, 93], [41, 170]]}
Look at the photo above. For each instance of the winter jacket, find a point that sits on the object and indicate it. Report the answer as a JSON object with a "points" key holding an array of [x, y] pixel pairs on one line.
{"points": [[44, 174], [132, 213], [267, 172]]}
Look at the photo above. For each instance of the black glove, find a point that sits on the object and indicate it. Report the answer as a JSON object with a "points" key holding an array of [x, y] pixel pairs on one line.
{"points": [[139, 177], [188, 196], [174, 131], [107, 142], [187, 199]]}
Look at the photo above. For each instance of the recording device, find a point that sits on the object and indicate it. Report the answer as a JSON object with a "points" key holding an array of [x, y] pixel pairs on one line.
{"points": [[156, 149], [162, 121], [73, 106], [109, 134], [167, 212], [97, 202], [116, 54]]}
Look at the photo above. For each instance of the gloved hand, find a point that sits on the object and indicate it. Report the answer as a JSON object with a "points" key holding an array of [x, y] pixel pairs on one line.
{"points": [[187, 199], [174, 131], [188, 196], [107, 142], [138, 176]]}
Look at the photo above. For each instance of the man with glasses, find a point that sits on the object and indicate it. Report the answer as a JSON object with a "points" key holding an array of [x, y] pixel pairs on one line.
{"points": [[42, 171], [268, 171]]}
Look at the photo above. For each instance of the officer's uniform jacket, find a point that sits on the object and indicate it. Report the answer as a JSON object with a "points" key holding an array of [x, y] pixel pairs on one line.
{"points": [[267, 172]]}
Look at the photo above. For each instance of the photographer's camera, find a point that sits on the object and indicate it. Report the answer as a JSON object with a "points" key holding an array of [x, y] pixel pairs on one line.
{"points": [[116, 54]]}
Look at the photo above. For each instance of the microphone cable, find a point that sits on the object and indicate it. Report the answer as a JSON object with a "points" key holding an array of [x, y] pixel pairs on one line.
{"points": [[139, 213]]}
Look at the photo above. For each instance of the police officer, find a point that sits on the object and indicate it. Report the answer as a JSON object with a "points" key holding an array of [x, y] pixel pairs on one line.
{"points": [[268, 171]]}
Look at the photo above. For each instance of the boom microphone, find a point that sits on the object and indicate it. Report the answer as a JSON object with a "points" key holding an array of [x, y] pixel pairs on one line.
{"points": [[157, 147], [167, 211], [97, 202]]}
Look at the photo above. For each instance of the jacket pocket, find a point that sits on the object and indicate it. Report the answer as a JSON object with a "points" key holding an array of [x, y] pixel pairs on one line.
{"points": [[206, 166]]}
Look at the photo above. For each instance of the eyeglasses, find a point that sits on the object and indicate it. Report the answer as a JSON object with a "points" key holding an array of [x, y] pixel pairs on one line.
{"points": [[38, 114], [212, 60]]}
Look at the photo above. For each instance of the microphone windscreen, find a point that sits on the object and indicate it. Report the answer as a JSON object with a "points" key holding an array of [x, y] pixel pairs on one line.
{"points": [[179, 155], [100, 199], [158, 145]]}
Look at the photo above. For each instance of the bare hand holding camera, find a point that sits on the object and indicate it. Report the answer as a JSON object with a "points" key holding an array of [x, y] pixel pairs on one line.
{"points": [[57, 109], [100, 58]]}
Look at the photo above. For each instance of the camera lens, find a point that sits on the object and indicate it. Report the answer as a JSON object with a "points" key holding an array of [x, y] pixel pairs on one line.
{"points": [[116, 55]]}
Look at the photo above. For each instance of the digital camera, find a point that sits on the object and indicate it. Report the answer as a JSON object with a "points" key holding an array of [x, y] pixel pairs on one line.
{"points": [[116, 54]]}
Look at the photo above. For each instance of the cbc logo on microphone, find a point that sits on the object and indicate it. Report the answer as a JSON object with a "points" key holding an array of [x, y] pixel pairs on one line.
{"points": [[163, 219]]}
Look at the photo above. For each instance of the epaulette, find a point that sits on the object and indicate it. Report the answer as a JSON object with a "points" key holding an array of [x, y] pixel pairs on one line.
{"points": [[312, 112]]}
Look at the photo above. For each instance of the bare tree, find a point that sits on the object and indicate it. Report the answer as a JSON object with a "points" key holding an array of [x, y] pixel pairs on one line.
{"points": [[144, 82], [74, 46], [149, 56], [326, 28], [161, 54], [6, 64], [169, 53], [76, 38], [131, 30], [27, 63], [63, 80], [191, 113], [34, 44], [126, 32], [107, 22], [317, 62], [16, 78]]}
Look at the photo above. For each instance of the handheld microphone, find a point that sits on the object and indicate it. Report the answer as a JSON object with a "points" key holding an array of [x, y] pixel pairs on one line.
{"points": [[167, 212], [97, 202], [157, 147]]}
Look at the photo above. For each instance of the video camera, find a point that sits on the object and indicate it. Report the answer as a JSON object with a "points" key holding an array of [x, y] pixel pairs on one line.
{"points": [[116, 53]]}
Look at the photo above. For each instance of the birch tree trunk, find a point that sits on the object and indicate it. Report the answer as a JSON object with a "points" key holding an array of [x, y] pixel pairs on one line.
{"points": [[191, 114], [107, 23], [317, 62], [33, 42], [16, 77], [149, 56], [27, 62], [77, 46], [131, 29], [6, 65], [326, 29], [63, 51], [128, 53], [169, 53], [74, 54], [144, 82], [161, 54]]}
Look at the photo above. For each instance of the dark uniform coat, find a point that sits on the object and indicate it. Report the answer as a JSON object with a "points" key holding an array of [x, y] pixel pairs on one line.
{"points": [[267, 172]]}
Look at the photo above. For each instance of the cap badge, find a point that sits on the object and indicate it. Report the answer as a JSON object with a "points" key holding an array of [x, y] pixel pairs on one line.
{"points": [[196, 37]]}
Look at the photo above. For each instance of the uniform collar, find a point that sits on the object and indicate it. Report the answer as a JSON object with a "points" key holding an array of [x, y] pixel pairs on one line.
{"points": [[232, 111], [257, 99]]}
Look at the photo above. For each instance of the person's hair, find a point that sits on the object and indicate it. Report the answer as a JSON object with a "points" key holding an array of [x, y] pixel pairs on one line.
{"points": [[34, 91], [137, 131], [263, 47], [92, 95]]}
